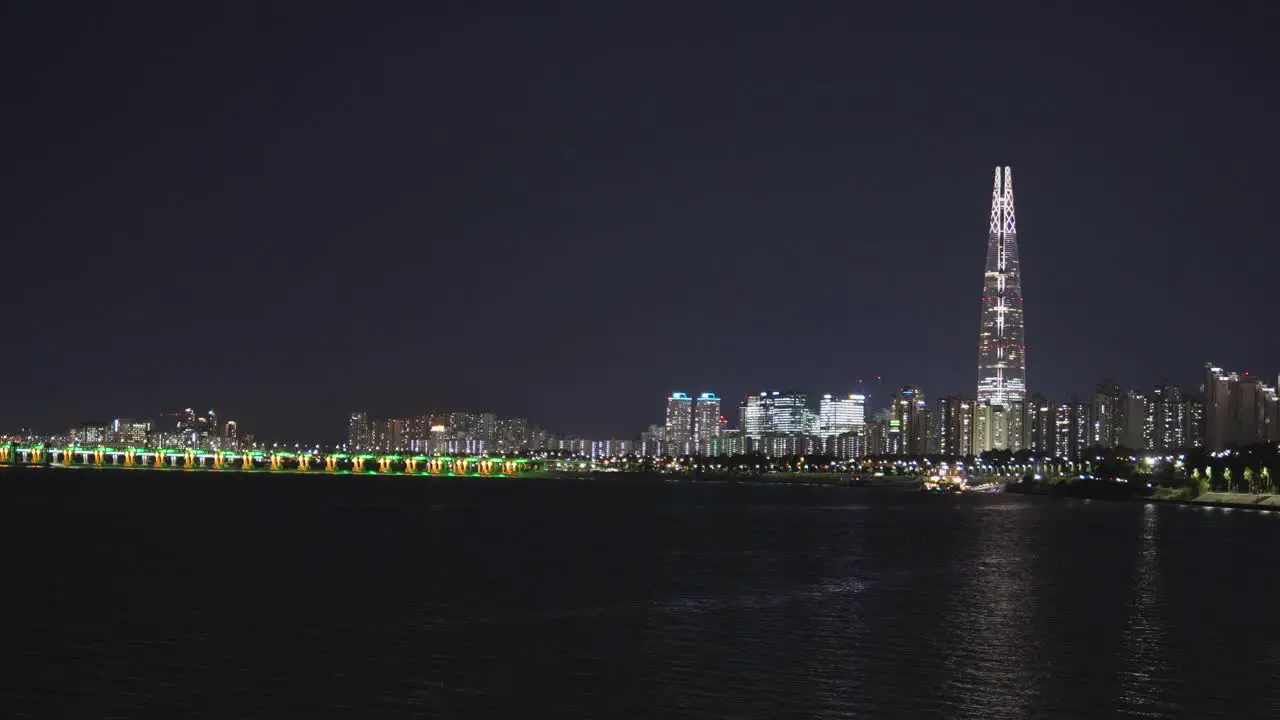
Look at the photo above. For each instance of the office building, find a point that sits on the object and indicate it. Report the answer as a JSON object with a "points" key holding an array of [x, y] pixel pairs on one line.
{"points": [[1002, 370], [129, 432], [839, 415], [775, 413], [790, 414]]}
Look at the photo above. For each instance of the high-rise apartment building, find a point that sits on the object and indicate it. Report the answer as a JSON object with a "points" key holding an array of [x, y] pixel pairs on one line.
{"points": [[1106, 407], [919, 437], [389, 435], [910, 436], [1239, 409], [679, 425], [955, 425], [653, 441], [513, 435], [933, 445], [1074, 429], [1017, 425], [359, 433], [884, 434], [1193, 423], [1002, 366], [90, 434], [999, 427], [1166, 419], [849, 445], [706, 422], [415, 433], [1042, 423], [728, 442], [986, 431], [1131, 419]]}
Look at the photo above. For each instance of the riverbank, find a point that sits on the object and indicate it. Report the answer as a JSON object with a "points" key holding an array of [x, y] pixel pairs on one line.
{"points": [[1232, 501], [1139, 492], [775, 478]]}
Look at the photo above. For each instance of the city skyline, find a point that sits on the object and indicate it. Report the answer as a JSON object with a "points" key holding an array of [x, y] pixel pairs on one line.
{"points": [[1232, 408], [560, 217], [1001, 415]]}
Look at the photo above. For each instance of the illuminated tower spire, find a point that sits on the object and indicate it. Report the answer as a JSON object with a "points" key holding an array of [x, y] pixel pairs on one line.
{"points": [[1002, 365]]}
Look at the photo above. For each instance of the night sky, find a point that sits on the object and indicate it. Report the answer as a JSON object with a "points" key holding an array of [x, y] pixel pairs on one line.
{"points": [[288, 211]]}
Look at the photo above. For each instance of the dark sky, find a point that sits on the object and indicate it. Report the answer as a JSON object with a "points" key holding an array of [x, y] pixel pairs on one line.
{"points": [[290, 210]]}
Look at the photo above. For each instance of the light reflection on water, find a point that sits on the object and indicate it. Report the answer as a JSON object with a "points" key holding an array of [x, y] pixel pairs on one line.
{"points": [[655, 600], [991, 636], [1144, 639]]}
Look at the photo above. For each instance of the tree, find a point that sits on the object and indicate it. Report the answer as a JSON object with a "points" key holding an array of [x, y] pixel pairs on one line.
{"points": [[1202, 483], [1226, 478], [1248, 480], [1266, 480]]}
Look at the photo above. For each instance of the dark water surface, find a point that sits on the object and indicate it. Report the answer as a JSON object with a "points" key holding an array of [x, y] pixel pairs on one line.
{"points": [[192, 595]]}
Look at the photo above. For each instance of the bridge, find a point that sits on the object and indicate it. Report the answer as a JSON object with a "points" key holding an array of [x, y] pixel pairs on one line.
{"points": [[262, 461]]}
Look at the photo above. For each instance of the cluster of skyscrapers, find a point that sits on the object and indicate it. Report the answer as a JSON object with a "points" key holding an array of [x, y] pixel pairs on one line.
{"points": [[1235, 409], [1231, 409], [771, 423], [182, 429]]}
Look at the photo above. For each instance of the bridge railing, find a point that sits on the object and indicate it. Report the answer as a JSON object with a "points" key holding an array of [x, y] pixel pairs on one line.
{"points": [[255, 460]]}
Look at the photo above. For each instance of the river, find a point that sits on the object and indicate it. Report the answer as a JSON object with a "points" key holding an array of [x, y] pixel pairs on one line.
{"points": [[139, 594]]}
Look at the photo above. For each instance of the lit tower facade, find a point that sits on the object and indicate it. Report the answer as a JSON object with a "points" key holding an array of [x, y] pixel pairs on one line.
{"points": [[679, 427], [706, 421], [1002, 363]]}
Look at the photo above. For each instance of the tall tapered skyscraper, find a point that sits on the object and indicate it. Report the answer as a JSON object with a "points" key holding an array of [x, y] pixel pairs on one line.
{"points": [[1002, 362]]}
